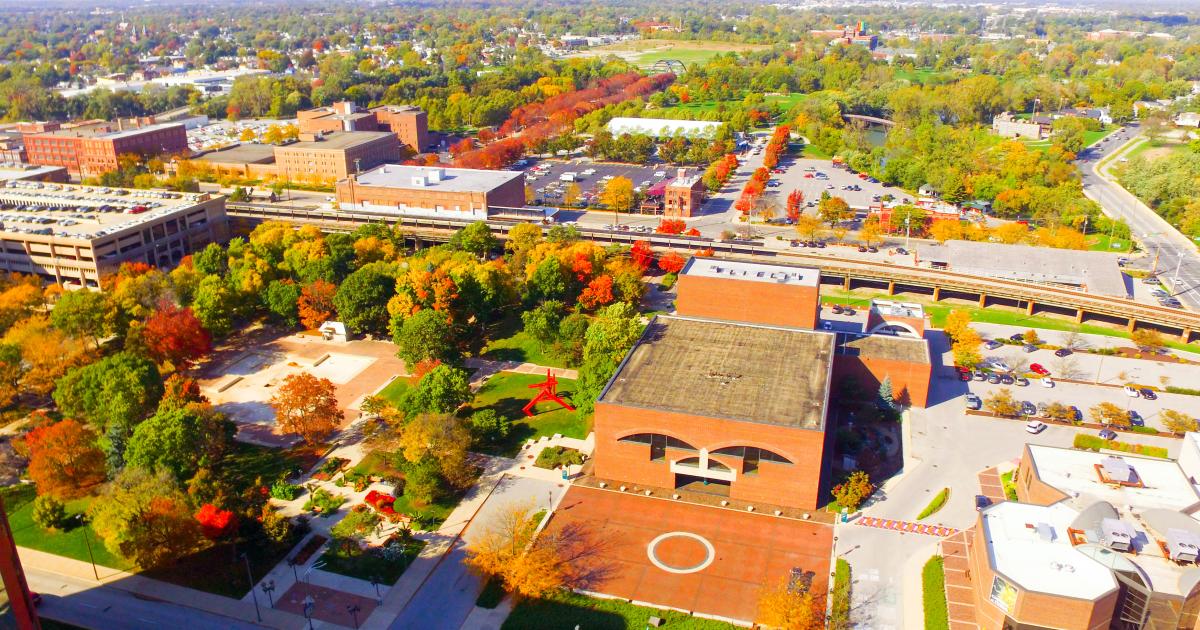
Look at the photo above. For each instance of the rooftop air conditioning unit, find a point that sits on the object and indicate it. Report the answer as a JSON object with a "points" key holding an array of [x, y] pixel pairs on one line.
{"points": [[435, 175], [418, 181]]}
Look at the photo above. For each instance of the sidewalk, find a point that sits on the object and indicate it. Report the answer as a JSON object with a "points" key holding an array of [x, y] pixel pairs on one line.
{"points": [[485, 368], [156, 590]]}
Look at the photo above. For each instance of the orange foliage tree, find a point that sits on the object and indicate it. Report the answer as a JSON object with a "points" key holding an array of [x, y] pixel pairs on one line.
{"points": [[642, 255], [64, 460], [316, 303], [175, 334], [214, 522], [784, 605], [308, 406], [795, 199], [671, 262], [671, 226], [597, 293]]}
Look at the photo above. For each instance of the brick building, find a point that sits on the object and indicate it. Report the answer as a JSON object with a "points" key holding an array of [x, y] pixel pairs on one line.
{"points": [[1094, 540], [730, 395], [409, 123], [93, 148], [336, 155], [683, 195], [432, 191]]}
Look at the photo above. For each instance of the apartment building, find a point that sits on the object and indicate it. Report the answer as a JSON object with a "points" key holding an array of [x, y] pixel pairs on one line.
{"points": [[337, 155]]}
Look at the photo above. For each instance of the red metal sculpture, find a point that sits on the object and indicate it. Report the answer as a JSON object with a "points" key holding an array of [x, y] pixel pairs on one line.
{"points": [[549, 392]]}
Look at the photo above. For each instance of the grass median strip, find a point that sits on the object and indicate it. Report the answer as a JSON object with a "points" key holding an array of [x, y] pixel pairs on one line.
{"points": [[938, 502], [933, 587]]}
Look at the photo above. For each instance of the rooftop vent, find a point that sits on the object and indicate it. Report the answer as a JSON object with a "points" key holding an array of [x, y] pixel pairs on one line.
{"points": [[1118, 469], [1184, 546], [418, 181], [1116, 534], [1045, 531]]}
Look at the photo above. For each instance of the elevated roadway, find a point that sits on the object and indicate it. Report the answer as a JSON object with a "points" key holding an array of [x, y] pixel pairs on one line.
{"points": [[850, 273]]}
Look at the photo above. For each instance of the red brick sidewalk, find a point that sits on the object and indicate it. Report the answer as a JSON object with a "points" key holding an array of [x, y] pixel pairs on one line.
{"points": [[328, 605], [990, 485], [959, 592]]}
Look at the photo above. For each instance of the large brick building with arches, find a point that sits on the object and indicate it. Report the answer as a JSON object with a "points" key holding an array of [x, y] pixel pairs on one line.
{"points": [[730, 395]]}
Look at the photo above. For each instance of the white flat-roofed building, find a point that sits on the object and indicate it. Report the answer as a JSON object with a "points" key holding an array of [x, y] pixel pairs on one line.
{"points": [[756, 272], [663, 128], [32, 172], [433, 191], [74, 235]]}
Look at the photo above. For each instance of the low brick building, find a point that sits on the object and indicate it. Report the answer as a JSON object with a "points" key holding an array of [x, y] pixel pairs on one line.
{"points": [[94, 148], [734, 290], [683, 195], [336, 155], [409, 123], [432, 191]]}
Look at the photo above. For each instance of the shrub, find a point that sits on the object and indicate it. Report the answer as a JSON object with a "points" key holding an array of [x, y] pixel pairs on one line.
{"points": [[555, 456], [359, 522], [1144, 430], [490, 426], [285, 491], [839, 611], [933, 587], [1095, 443], [49, 512], [667, 282], [1183, 390], [939, 500], [324, 502]]}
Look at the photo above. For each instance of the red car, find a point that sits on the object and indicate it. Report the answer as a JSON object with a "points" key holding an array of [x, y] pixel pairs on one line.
{"points": [[1037, 368], [964, 374], [777, 171], [808, 176]]}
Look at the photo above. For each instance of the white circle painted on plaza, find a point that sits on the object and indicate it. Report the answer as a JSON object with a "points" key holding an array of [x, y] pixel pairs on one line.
{"points": [[708, 559]]}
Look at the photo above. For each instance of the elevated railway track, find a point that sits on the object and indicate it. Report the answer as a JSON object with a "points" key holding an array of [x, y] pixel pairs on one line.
{"points": [[847, 272]]}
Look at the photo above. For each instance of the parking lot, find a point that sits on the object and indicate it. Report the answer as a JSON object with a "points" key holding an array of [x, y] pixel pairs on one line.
{"points": [[795, 174], [545, 177]]}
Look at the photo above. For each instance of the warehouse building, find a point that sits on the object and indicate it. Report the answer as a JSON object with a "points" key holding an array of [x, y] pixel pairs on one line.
{"points": [[75, 235], [433, 191]]}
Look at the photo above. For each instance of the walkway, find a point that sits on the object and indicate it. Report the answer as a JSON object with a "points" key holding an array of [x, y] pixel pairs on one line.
{"points": [[990, 485], [486, 368], [906, 526], [959, 592]]}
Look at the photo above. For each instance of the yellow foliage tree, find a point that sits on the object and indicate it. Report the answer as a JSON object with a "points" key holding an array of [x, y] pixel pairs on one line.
{"points": [[1012, 233], [957, 321], [1109, 414], [618, 194], [789, 607]]}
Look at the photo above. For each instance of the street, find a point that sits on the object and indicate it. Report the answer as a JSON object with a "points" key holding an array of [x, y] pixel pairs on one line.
{"points": [[1177, 256]]}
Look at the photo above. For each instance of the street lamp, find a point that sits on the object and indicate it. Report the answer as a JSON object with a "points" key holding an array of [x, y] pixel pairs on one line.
{"points": [[309, 604], [268, 587], [907, 231], [353, 610], [88, 542], [295, 575], [253, 594], [375, 583]]}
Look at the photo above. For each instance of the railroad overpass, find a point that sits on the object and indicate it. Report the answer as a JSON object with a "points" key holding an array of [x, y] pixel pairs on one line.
{"points": [[847, 273]]}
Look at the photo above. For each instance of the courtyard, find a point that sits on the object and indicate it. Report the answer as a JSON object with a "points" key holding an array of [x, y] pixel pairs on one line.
{"points": [[707, 560]]}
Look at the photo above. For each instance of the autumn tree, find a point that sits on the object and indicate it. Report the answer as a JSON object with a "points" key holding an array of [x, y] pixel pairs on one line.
{"points": [[957, 322], [571, 194], [966, 348], [854, 490], [1178, 422], [790, 606], [1109, 414], [83, 314], [46, 353], [64, 461], [308, 406], [1002, 403], [618, 194], [316, 303], [671, 262], [807, 227], [795, 204], [597, 293], [641, 255], [437, 443], [833, 210], [175, 335], [871, 232], [215, 523], [1148, 339], [942, 231], [145, 518]]}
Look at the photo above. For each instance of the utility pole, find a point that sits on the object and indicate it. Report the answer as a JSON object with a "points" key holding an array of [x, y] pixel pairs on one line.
{"points": [[907, 231]]}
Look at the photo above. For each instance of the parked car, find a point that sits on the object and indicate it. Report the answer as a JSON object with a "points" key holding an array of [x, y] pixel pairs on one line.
{"points": [[974, 403], [1062, 352], [1000, 365], [964, 375], [1035, 426], [980, 375], [994, 379], [1076, 414], [848, 311], [1136, 419], [1108, 434], [1028, 408], [981, 502], [1017, 337], [837, 308], [1021, 381], [1148, 393], [1029, 347], [1037, 368], [1047, 382], [992, 344], [1006, 379], [1131, 392]]}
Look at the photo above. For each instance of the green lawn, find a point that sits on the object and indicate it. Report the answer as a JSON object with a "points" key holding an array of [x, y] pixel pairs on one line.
{"points": [[783, 101], [839, 600], [1101, 243], [523, 348], [568, 610], [936, 504], [367, 566], [1158, 146], [1092, 137], [1010, 488], [432, 515], [508, 392], [933, 586], [395, 390], [811, 151], [18, 501], [249, 462]]}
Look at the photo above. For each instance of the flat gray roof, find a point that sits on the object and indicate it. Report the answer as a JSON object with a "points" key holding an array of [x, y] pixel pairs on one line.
{"points": [[888, 347], [450, 179], [1097, 271], [338, 140], [248, 153], [743, 372], [772, 273]]}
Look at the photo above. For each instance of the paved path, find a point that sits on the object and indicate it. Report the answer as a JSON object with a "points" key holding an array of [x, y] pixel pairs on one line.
{"points": [[990, 485], [485, 368], [959, 594]]}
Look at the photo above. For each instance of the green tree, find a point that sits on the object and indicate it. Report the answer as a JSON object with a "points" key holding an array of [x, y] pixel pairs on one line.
{"points": [[613, 332], [490, 426], [550, 281], [282, 299], [145, 518], [83, 314], [424, 336], [362, 298], [180, 441], [476, 238], [118, 390], [211, 261], [213, 305], [442, 390], [542, 322], [48, 512]]}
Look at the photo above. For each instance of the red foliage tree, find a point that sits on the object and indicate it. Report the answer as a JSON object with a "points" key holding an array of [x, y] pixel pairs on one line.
{"points": [[461, 147], [692, 232], [64, 461], [175, 334], [671, 262], [180, 391], [795, 200], [705, 253], [597, 293], [744, 203], [642, 255], [215, 523], [423, 367], [671, 226], [316, 303]]}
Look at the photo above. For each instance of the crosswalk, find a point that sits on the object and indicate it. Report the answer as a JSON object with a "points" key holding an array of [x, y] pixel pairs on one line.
{"points": [[940, 531]]}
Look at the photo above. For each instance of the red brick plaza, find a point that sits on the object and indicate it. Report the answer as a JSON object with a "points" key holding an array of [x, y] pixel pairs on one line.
{"points": [[709, 560]]}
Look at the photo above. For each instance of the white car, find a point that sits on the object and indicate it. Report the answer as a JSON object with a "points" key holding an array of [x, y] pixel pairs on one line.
{"points": [[1000, 366], [1131, 392], [1047, 382], [1035, 426], [660, 174]]}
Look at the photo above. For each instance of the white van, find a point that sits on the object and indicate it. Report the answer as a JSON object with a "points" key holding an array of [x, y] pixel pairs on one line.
{"points": [[567, 177]]}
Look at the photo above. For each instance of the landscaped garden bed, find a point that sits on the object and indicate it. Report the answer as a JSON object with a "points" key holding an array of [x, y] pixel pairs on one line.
{"points": [[384, 563], [553, 457]]}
